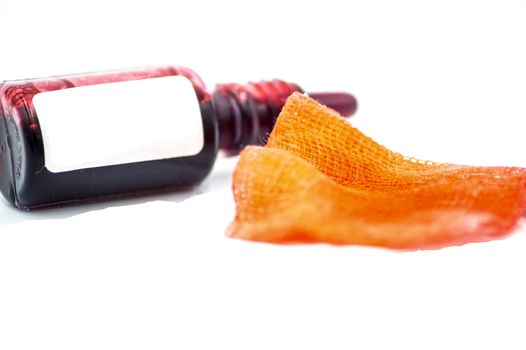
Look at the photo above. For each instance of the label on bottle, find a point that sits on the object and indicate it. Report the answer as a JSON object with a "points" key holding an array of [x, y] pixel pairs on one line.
{"points": [[118, 123]]}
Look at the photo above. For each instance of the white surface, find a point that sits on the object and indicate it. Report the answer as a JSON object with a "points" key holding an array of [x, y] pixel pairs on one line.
{"points": [[118, 123], [444, 81]]}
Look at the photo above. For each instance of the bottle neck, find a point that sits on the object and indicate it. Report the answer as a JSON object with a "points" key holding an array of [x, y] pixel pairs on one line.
{"points": [[246, 113]]}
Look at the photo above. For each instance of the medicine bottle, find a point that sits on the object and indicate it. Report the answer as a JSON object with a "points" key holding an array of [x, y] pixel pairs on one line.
{"points": [[92, 136]]}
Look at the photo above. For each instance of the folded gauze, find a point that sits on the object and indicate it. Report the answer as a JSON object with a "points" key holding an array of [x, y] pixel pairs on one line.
{"points": [[321, 180]]}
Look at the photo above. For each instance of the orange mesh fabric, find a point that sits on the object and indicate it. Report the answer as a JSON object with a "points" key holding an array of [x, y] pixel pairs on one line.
{"points": [[321, 180]]}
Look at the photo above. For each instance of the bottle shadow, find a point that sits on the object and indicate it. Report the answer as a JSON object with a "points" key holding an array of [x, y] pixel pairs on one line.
{"points": [[219, 178]]}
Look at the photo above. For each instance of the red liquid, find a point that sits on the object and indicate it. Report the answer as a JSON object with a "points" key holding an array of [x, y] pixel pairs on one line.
{"points": [[28, 184], [232, 117]]}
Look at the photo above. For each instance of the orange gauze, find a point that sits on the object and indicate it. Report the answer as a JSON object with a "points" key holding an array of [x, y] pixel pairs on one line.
{"points": [[321, 180]]}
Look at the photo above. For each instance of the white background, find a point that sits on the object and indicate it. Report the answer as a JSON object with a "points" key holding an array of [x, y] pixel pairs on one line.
{"points": [[442, 80]]}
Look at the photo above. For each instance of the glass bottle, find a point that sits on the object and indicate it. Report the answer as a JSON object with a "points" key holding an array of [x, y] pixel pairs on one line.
{"points": [[92, 136]]}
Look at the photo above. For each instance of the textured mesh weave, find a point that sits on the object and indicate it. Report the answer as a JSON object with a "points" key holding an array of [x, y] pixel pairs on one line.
{"points": [[321, 180]]}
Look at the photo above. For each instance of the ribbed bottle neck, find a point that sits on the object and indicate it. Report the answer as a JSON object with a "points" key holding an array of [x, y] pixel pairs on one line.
{"points": [[246, 114]]}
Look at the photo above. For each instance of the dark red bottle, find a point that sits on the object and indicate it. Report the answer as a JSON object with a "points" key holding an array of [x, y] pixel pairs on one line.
{"points": [[83, 137]]}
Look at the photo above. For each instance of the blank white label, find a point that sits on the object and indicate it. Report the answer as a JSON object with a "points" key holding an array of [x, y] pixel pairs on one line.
{"points": [[118, 123]]}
